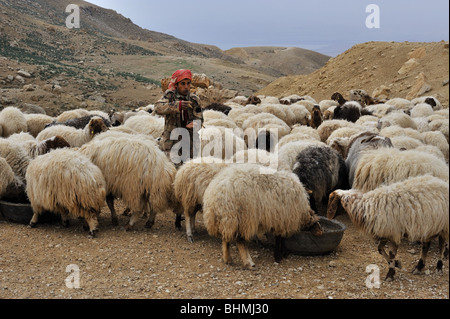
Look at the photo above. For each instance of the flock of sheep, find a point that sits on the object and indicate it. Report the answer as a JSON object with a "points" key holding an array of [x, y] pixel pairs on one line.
{"points": [[268, 165]]}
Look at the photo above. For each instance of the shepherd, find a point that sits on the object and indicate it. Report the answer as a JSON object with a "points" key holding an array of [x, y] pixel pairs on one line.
{"points": [[183, 118]]}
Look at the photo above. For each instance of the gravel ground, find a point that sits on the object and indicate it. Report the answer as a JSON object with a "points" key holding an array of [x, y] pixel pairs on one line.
{"points": [[160, 264]]}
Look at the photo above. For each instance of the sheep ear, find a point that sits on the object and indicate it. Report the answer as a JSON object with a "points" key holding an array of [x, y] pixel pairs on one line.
{"points": [[334, 201]]}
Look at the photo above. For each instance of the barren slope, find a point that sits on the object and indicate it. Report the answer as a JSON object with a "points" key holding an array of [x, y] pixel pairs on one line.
{"points": [[371, 65]]}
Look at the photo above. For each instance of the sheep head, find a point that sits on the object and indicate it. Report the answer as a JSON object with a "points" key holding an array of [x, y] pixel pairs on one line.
{"points": [[96, 126], [338, 98], [254, 100], [314, 226], [56, 142], [316, 117]]}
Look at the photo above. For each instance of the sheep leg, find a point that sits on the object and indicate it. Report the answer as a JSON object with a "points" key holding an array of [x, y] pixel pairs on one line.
{"points": [[278, 251], [65, 218], [178, 219], [150, 219], [389, 258], [190, 224], [245, 254], [110, 202], [92, 221], [226, 252], [442, 248], [421, 264], [34, 220]]}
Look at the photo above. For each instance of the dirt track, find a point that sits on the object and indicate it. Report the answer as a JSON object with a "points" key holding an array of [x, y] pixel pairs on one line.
{"points": [[161, 264]]}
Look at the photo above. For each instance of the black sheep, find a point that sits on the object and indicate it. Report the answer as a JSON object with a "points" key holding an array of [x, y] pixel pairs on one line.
{"points": [[321, 170]]}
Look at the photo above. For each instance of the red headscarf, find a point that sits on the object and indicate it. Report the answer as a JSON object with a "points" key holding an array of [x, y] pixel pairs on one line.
{"points": [[179, 76]]}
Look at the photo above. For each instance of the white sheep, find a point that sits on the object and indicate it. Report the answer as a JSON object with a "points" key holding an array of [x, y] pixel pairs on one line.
{"points": [[37, 123], [190, 183], [327, 127], [146, 124], [415, 208], [135, 170], [397, 118], [441, 126], [390, 165], [71, 115], [34, 148], [16, 156], [400, 104], [71, 185], [75, 137], [222, 142], [436, 138], [12, 188], [430, 100], [246, 200], [422, 110], [287, 153], [12, 120]]}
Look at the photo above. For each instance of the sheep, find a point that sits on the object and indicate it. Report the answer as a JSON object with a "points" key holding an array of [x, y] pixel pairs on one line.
{"points": [[287, 154], [13, 121], [72, 184], [280, 111], [321, 170], [390, 165], [12, 188], [392, 131], [80, 122], [327, 127], [359, 96], [308, 104], [338, 98], [301, 114], [146, 124], [396, 118], [190, 183], [16, 156], [226, 123], [430, 100], [416, 208], [294, 137], [350, 111], [75, 137], [34, 148], [340, 139], [316, 117], [327, 104], [307, 130], [135, 170], [406, 142], [255, 156], [359, 143], [253, 100], [381, 110], [214, 115], [421, 110], [218, 107], [246, 200], [72, 114], [37, 122], [441, 126], [436, 138], [401, 104], [221, 142]]}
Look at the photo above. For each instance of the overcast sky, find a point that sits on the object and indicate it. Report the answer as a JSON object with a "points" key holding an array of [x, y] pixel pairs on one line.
{"points": [[326, 26]]}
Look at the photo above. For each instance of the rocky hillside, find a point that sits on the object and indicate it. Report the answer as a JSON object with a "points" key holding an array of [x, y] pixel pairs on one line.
{"points": [[280, 61], [384, 69], [109, 61]]}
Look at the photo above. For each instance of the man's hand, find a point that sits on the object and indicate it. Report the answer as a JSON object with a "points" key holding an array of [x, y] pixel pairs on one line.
{"points": [[186, 105]]}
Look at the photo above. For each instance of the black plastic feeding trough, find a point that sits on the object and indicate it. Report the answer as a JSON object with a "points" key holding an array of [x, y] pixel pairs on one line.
{"points": [[305, 243], [22, 213]]}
